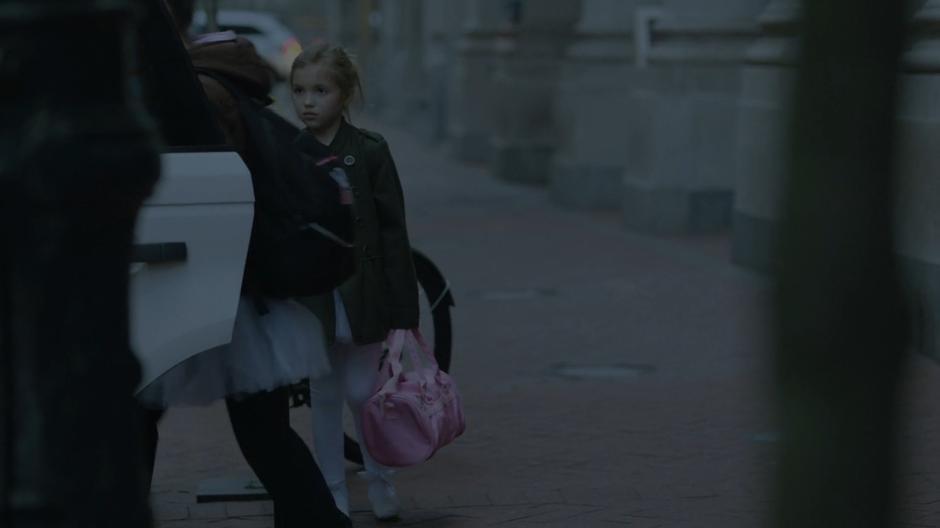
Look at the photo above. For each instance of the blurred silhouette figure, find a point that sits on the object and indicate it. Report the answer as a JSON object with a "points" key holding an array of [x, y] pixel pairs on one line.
{"points": [[841, 316]]}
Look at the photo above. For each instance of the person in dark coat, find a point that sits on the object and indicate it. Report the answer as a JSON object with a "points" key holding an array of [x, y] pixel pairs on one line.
{"points": [[382, 296], [261, 420]]}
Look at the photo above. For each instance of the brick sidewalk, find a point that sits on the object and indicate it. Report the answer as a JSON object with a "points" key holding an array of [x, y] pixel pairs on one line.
{"points": [[679, 436]]}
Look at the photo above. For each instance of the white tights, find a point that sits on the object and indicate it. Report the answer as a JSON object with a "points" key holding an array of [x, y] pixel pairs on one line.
{"points": [[353, 377]]}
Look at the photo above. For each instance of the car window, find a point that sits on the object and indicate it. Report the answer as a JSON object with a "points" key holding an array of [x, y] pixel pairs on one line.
{"points": [[168, 85]]}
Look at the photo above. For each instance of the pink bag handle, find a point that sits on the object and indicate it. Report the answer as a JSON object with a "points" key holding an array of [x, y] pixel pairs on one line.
{"points": [[396, 344], [423, 345]]}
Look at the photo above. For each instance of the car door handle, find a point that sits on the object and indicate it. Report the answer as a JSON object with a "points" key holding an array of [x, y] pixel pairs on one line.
{"points": [[159, 253]]}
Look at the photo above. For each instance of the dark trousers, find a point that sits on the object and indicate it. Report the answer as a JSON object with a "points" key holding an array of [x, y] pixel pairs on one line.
{"points": [[279, 458]]}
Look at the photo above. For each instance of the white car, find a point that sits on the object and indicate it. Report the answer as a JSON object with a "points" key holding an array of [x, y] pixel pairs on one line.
{"points": [[274, 41], [188, 258], [192, 234]]}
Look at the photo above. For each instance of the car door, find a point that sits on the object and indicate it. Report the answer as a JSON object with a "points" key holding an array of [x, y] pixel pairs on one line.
{"points": [[192, 235], [188, 258]]}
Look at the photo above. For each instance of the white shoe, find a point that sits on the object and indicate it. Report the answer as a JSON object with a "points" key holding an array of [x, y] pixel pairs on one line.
{"points": [[385, 503], [340, 497]]}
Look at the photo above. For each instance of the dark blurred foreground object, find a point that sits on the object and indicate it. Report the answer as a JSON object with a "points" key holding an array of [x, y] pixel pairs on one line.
{"points": [[76, 162], [840, 309]]}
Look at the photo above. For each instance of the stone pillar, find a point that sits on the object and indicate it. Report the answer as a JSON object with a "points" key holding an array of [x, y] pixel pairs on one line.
{"points": [[472, 99], [442, 27], [352, 24], [341, 21], [309, 20], [397, 87], [595, 111], [680, 178], [528, 73], [762, 115], [919, 194]]}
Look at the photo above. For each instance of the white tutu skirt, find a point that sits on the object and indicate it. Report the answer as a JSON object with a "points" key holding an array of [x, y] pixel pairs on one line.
{"points": [[268, 351]]}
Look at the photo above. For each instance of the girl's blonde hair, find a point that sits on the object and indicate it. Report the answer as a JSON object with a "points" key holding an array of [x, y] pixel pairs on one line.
{"points": [[339, 62]]}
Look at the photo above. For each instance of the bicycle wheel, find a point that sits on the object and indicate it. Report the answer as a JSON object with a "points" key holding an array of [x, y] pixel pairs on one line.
{"points": [[437, 301]]}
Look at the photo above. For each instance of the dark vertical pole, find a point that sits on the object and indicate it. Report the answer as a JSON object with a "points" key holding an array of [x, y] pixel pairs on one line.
{"points": [[212, 15], [76, 162], [839, 306]]}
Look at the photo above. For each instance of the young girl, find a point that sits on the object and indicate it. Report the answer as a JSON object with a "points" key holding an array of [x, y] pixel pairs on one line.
{"points": [[383, 295]]}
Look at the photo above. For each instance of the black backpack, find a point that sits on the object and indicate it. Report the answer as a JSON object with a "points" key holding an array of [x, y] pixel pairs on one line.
{"points": [[301, 238]]}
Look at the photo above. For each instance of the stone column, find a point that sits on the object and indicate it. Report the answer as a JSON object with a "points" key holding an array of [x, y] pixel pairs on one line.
{"points": [[309, 20], [919, 193], [442, 27], [341, 17], [397, 90], [528, 72], [594, 108], [472, 99], [762, 115], [679, 178]]}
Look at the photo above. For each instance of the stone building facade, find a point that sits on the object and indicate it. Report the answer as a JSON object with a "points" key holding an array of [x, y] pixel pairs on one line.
{"points": [[672, 112]]}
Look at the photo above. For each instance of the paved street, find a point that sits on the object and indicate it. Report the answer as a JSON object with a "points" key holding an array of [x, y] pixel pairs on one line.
{"points": [[609, 379]]}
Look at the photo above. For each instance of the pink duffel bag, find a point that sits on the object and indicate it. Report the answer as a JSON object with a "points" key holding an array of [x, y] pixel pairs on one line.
{"points": [[414, 413]]}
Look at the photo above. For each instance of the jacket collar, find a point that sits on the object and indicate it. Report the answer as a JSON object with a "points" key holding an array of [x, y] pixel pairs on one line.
{"points": [[307, 143]]}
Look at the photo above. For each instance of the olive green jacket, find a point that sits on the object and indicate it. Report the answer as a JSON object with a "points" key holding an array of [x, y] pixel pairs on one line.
{"points": [[383, 294]]}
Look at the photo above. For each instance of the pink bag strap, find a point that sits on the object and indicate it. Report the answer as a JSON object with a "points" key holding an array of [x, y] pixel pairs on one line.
{"points": [[396, 342], [396, 345], [423, 345]]}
